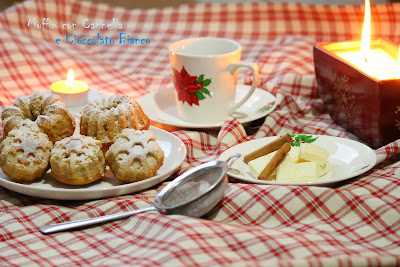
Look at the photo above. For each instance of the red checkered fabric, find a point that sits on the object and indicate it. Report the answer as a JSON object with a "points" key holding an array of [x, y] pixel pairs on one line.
{"points": [[354, 223]]}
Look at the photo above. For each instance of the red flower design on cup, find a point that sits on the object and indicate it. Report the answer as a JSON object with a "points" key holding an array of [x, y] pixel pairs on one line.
{"points": [[189, 88]]}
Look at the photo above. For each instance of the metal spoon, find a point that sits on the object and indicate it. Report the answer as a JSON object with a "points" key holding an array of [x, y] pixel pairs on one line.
{"points": [[194, 193]]}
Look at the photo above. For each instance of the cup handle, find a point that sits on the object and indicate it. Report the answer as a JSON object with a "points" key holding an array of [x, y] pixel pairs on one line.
{"points": [[254, 69]]}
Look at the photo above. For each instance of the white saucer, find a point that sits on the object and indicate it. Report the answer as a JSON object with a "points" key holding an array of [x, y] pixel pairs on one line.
{"points": [[160, 107]]}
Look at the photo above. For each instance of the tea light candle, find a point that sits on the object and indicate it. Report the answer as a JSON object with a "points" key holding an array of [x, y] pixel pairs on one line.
{"points": [[73, 92]]}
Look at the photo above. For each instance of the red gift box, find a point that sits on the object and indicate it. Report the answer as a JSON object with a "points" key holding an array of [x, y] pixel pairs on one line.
{"points": [[362, 104]]}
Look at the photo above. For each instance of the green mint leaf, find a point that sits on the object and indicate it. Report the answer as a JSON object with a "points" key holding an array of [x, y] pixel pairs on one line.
{"points": [[302, 138], [310, 140], [296, 143]]}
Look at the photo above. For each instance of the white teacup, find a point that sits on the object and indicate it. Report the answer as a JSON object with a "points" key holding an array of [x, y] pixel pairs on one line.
{"points": [[205, 73]]}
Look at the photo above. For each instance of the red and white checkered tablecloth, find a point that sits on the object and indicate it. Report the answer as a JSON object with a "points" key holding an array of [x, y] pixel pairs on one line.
{"points": [[354, 223]]}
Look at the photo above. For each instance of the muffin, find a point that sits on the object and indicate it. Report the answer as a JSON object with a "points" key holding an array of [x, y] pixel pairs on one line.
{"points": [[134, 156], [48, 111], [77, 160], [105, 119], [25, 153]]}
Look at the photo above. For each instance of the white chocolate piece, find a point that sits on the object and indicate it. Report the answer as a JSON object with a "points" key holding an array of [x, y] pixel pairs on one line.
{"points": [[325, 169], [308, 171], [294, 153], [309, 152], [287, 173], [257, 165], [299, 172]]}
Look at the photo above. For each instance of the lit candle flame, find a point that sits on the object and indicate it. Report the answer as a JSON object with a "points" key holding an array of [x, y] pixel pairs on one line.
{"points": [[366, 31], [373, 57], [70, 78]]}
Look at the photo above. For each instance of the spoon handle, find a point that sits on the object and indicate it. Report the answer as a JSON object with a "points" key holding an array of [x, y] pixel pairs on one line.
{"points": [[48, 229]]}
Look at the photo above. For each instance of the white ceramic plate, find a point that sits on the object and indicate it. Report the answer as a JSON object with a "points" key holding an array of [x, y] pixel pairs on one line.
{"points": [[348, 158], [174, 152], [160, 107]]}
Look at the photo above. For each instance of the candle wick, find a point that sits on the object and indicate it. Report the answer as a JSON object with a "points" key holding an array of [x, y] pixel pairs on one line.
{"points": [[365, 58]]}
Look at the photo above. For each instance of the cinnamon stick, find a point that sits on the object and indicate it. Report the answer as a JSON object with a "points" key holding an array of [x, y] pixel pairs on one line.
{"points": [[274, 162], [268, 148]]}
